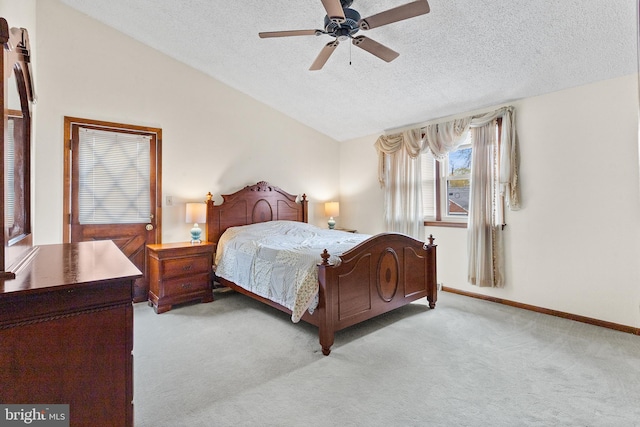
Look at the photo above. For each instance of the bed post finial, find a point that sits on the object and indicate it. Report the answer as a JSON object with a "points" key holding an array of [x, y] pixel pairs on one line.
{"points": [[305, 207], [209, 196], [325, 257], [431, 239]]}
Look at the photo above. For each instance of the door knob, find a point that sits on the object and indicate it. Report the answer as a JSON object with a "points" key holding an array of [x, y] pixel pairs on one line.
{"points": [[149, 227]]}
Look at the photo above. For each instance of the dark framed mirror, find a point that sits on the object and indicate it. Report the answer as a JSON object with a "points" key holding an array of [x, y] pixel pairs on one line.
{"points": [[17, 98]]}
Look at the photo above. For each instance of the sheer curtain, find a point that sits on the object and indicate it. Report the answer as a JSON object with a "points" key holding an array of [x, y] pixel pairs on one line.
{"points": [[490, 192], [484, 233], [399, 174]]}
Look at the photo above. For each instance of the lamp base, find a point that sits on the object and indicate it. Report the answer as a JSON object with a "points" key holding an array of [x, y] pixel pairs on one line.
{"points": [[332, 223], [195, 234]]}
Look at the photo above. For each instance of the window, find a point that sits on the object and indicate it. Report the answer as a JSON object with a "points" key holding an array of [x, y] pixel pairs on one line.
{"points": [[446, 185], [106, 160], [457, 179]]}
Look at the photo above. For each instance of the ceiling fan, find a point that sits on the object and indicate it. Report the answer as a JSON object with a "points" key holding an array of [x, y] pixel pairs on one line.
{"points": [[343, 23]]}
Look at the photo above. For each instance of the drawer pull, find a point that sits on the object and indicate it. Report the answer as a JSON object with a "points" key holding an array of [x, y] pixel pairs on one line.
{"points": [[186, 286], [187, 267]]}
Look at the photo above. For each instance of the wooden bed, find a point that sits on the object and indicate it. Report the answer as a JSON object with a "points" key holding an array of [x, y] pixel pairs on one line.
{"points": [[382, 273]]}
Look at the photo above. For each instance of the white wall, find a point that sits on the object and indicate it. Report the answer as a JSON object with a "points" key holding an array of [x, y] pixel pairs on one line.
{"points": [[574, 247], [362, 198], [21, 14], [214, 138]]}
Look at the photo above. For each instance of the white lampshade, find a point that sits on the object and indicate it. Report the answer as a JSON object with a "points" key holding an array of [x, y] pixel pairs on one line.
{"points": [[332, 209], [196, 213]]}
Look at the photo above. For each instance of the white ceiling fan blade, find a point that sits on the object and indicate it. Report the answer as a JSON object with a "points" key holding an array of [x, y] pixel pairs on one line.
{"points": [[396, 14], [334, 10], [375, 48], [324, 55]]}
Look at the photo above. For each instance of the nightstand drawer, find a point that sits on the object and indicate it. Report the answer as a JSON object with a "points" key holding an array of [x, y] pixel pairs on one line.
{"points": [[187, 284], [189, 265]]}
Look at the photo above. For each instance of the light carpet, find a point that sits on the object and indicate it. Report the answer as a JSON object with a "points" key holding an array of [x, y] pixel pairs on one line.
{"points": [[237, 362]]}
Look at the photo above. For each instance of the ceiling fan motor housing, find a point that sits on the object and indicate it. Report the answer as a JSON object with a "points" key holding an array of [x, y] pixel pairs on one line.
{"points": [[346, 29]]}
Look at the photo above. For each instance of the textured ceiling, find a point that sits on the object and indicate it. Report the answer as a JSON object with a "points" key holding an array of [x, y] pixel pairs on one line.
{"points": [[462, 56]]}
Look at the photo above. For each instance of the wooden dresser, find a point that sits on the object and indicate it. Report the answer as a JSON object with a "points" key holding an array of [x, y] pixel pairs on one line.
{"points": [[66, 332], [178, 273]]}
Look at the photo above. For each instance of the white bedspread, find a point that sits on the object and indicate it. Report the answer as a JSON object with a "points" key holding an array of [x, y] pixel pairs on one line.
{"points": [[278, 260]]}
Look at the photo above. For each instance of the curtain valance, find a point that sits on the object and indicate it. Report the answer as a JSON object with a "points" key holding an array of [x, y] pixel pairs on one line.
{"points": [[441, 138]]}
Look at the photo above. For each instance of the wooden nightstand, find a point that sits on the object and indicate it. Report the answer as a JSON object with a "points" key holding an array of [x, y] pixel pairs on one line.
{"points": [[179, 272]]}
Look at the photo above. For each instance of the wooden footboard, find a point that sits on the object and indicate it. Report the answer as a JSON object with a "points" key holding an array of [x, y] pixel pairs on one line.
{"points": [[381, 274]]}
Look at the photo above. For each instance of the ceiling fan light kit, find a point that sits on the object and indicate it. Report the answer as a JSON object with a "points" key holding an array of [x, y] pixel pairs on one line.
{"points": [[342, 23]]}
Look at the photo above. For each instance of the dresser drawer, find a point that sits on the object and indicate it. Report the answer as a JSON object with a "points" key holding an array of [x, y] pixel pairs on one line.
{"points": [[187, 284], [189, 265]]}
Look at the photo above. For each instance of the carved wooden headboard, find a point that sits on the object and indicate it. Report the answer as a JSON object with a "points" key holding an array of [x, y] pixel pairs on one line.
{"points": [[254, 203]]}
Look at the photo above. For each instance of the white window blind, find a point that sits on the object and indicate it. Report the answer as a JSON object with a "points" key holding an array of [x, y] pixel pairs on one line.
{"points": [[9, 164], [428, 172], [114, 182]]}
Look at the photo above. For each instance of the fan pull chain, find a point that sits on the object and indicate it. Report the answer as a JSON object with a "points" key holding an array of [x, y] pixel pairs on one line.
{"points": [[350, 45]]}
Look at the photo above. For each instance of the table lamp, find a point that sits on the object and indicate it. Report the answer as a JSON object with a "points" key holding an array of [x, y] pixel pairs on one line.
{"points": [[196, 213], [332, 209]]}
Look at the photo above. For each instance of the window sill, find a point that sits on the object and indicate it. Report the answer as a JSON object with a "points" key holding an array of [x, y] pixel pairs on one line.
{"points": [[445, 224]]}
